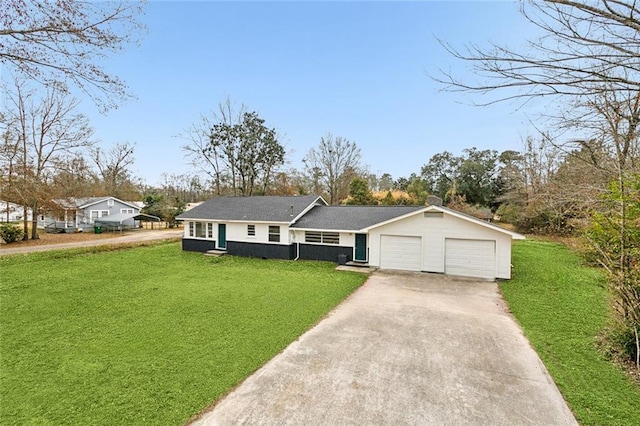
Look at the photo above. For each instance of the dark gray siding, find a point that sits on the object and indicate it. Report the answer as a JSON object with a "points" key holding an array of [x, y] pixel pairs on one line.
{"points": [[272, 251], [198, 245], [268, 251], [328, 253]]}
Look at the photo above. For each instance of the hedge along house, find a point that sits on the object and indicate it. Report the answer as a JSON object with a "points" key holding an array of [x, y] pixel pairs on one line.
{"points": [[411, 238]]}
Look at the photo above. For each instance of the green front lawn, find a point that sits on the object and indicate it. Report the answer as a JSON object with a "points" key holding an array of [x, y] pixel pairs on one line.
{"points": [[148, 335], [562, 306]]}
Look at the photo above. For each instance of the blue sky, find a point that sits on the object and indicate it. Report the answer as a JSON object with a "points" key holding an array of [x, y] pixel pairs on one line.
{"points": [[356, 69]]}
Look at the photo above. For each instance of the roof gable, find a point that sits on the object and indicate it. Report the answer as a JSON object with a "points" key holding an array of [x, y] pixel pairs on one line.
{"points": [[457, 214], [84, 202], [253, 209]]}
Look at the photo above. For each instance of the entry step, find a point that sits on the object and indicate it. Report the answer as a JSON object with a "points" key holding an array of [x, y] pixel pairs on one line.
{"points": [[357, 264], [215, 253]]}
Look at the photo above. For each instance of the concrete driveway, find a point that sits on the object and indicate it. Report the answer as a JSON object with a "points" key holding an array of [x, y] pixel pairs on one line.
{"points": [[406, 348]]}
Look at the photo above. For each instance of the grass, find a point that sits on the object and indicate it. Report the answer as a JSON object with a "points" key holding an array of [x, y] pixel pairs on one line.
{"points": [[147, 335], [562, 307]]}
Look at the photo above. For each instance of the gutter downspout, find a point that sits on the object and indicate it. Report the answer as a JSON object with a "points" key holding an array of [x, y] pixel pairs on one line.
{"points": [[293, 234]]}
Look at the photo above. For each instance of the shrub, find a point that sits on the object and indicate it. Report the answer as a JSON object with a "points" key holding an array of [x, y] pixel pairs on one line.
{"points": [[618, 342], [10, 233]]}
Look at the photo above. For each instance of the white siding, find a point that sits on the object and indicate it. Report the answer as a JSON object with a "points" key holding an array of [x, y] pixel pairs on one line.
{"points": [[237, 231], [434, 231]]}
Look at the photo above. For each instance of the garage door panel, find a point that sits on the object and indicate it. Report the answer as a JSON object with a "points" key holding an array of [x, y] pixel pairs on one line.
{"points": [[471, 258], [401, 252]]}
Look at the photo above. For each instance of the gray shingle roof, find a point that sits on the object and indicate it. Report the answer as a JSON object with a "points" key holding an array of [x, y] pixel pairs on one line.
{"points": [[82, 202], [75, 202], [259, 209], [351, 218]]}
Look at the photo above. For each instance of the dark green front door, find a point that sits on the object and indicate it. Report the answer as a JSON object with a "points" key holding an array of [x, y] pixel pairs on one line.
{"points": [[222, 236], [361, 248]]}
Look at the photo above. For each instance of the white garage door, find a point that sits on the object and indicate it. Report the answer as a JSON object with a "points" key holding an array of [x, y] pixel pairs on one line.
{"points": [[401, 252], [470, 258]]}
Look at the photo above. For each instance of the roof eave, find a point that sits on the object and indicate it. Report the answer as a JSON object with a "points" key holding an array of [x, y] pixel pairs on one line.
{"points": [[249, 221], [368, 228], [349, 231], [84, 206]]}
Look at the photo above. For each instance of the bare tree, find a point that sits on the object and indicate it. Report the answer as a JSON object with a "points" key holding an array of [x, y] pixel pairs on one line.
{"points": [[335, 161], [584, 44], [46, 127], [198, 148], [55, 41], [73, 176], [9, 157], [236, 149], [588, 57], [113, 165]]}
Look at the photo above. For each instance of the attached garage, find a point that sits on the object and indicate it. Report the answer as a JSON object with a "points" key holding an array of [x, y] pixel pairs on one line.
{"points": [[401, 252], [440, 240], [470, 258], [410, 238]]}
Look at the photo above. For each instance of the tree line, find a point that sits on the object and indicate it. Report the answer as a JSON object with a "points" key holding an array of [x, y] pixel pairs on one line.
{"points": [[584, 173], [580, 176]]}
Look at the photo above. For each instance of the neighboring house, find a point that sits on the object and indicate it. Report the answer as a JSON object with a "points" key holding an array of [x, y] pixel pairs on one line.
{"points": [[412, 238], [189, 206], [11, 212], [84, 213]]}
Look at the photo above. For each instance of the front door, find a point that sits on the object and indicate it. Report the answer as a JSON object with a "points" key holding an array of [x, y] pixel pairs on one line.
{"points": [[222, 236], [361, 248]]}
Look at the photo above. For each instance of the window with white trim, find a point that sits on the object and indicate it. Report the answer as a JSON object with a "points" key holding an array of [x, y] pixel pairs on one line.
{"points": [[110, 202], [200, 230], [96, 214], [322, 237], [192, 229], [210, 230], [127, 211], [251, 230], [274, 234]]}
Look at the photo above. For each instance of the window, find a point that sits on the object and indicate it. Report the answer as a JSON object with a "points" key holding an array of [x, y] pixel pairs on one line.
{"points": [[209, 230], [322, 237], [110, 202], [251, 230], [200, 230], [127, 211], [330, 238], [312, 237], [274, 234], [192, 229], [95, 214]]}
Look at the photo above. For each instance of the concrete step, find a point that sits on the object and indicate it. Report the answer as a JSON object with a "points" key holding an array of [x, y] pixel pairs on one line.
{"points": [[357, 264], [215, 253]]}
